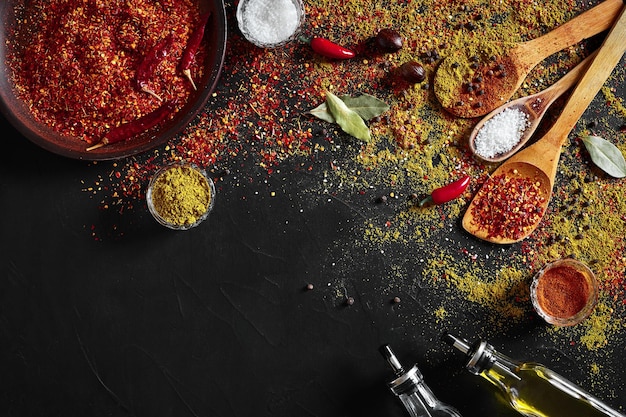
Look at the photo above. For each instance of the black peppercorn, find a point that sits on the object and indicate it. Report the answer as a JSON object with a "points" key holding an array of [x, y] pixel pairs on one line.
{"points": [[388, 40], [412, 72]]}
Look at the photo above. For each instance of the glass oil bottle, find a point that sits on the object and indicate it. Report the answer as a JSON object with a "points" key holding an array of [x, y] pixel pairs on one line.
{"points": [[530, 388], [414, 394]]}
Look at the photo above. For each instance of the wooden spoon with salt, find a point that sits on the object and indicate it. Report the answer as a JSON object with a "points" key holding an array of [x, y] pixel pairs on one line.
{"points": [[512, 202], [533, 106], [475, 80]]}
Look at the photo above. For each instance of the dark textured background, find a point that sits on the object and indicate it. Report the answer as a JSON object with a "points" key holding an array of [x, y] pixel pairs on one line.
{"points": [[216, 321]]}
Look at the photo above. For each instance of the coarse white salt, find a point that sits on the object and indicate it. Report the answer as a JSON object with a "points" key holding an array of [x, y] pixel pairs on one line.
{"points": [[269, 23], [501, 133]]}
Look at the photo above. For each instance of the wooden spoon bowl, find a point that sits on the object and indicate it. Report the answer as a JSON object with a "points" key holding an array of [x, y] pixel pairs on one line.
{"points": [[510, 204], [533, 106], [534, 168], [474, 81]]}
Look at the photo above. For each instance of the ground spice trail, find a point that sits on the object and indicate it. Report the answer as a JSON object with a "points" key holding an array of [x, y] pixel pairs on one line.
{"points": [[259, 112]]}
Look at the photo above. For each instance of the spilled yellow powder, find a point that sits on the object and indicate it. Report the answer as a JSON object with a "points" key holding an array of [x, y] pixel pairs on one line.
{"points": [[440, 314], [615, 103]]}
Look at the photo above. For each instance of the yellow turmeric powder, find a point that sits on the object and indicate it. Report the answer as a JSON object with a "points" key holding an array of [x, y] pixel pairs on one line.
{"points": [[180, 196]]}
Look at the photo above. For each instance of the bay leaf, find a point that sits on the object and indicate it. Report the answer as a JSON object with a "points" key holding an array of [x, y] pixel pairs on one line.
{"points": [[321, 112], [349, 120], [605, 155], [365, 105]]}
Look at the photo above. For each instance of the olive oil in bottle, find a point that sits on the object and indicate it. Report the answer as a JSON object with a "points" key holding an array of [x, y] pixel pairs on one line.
{"points": [[530, 388]]}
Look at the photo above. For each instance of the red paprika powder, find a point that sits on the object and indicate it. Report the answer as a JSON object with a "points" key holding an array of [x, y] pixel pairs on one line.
{"points": [[564, 292]]}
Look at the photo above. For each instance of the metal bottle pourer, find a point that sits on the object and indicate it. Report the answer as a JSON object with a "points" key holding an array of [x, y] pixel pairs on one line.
{"points": [[414, 394]]}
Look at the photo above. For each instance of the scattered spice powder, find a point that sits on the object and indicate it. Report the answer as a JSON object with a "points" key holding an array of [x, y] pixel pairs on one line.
{"points": [[258, 113], [474, 76]]}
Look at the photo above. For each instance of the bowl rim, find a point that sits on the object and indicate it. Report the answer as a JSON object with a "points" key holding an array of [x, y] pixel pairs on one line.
{"points": [[17, 114]]}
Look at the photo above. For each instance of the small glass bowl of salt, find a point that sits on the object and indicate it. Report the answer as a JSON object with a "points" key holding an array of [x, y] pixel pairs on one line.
{"points": [[270, 23]]}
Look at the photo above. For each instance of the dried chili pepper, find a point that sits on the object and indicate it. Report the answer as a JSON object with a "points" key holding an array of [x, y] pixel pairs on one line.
{"points": [[193, 44], [330, 49], [130, 129], [148, 66], [447, 192]]}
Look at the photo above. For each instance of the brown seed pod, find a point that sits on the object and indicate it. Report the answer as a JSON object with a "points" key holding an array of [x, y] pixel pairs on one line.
{"points": [[388, 40], [412, 72]]}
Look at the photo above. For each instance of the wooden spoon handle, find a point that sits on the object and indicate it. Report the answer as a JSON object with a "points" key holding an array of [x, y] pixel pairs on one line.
{"points": [[545, 153], [583, 26], [567, 81], [607, 58]]}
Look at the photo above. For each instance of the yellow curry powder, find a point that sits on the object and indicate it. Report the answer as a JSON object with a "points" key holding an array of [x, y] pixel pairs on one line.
{"points": [[181, 195]]}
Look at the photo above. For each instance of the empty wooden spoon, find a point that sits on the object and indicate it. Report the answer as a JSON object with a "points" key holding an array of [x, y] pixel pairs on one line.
{"points": [[479, 78], [524, 113], [512, 202]]}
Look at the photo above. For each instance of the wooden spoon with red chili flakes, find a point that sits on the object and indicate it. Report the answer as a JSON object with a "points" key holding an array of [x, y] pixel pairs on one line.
{"points": [[474, 81], [512, 202]]}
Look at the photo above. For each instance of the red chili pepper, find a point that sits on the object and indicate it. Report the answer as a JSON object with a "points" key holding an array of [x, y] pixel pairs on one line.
{"points": [[330, 49], [148, 66], [193, 44], [447, 192], [130, 129]]}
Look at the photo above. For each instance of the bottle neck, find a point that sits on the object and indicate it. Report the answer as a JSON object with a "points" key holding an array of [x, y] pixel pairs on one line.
{"points": [[492, 365], [412, 382], [417, 397]]}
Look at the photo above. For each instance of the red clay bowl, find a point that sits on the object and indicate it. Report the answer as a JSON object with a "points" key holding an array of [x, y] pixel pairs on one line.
{"points": [[17, 113]]}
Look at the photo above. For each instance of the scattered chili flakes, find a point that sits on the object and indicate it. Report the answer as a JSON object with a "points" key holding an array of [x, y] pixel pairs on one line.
{"points": [[73, 62]]}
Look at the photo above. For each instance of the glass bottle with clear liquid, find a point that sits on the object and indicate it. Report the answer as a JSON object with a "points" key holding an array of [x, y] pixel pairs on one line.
{"points": [[530, 388], [414, 394]]}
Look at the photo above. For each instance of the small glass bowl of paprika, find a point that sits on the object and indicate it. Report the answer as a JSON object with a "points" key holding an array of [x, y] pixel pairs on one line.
{"points": [[180, 196], [270, 23], [564, 292]]}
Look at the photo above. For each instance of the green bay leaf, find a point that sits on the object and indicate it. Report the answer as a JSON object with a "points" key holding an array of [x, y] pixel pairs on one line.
{"points": [[605, 155], [321, 112], [365, 105], [349, 120]]}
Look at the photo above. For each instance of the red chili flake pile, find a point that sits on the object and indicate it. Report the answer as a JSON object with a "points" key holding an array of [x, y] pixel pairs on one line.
{"points": [[74, 61], [507, 206]]}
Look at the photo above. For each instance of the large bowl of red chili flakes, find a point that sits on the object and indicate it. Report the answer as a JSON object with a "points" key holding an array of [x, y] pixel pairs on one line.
{"points": [[70, 68]]}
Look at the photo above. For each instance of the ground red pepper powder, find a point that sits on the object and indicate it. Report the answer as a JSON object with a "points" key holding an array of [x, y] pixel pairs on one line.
{"points": [[562, 291]]}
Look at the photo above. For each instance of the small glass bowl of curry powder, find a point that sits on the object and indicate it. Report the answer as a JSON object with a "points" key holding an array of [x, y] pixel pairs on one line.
{"points": [[564, 292], [180, 196]]}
